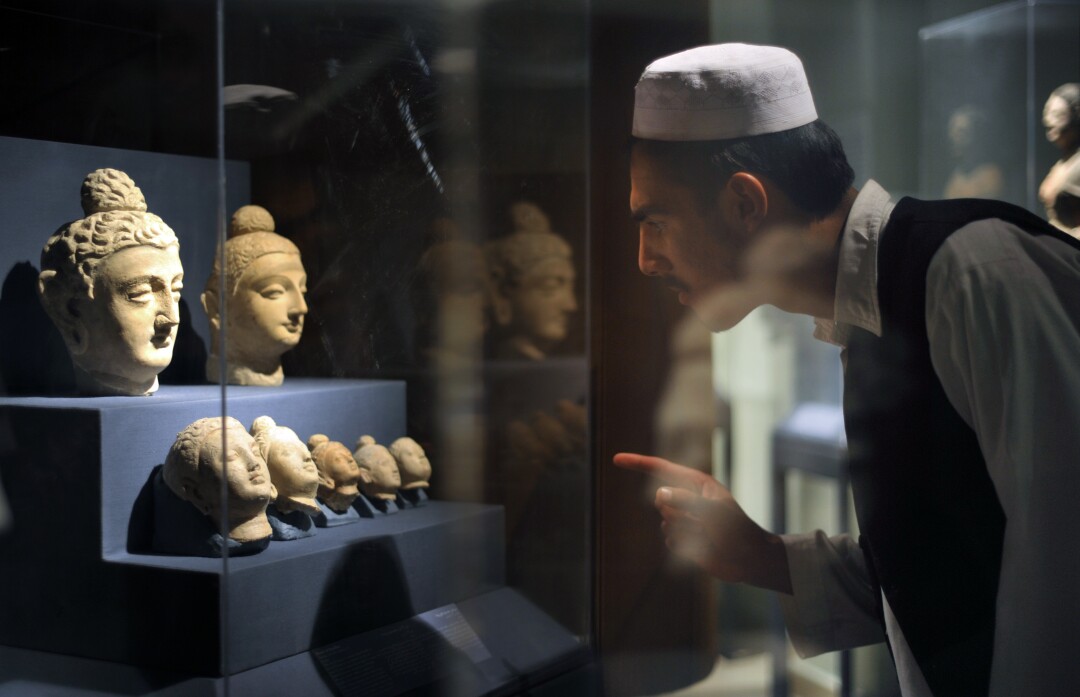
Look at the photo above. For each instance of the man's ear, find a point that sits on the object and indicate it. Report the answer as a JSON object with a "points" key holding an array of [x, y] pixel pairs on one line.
{"points": [[189, 486], [325, 481], [501, 308], [745, 202], [64, 311]]}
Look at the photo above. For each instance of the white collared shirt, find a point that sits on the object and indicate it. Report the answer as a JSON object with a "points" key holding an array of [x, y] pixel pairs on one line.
{"points": [[1003, 320]]}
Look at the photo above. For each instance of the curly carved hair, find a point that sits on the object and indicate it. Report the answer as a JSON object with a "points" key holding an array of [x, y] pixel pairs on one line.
{"points": [[510, 258], [185, 455], [251, 235], [116, 218]]}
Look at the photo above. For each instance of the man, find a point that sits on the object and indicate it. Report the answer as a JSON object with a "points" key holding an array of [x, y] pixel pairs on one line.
{"points": [[960, 328]]}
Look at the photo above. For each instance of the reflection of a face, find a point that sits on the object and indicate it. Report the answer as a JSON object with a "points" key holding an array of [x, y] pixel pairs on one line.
{"points": [[246, 475], [133, 316], [266, 311], [1060, 130], [292, 469], [961, 132], [686, 244], [544, 298]]}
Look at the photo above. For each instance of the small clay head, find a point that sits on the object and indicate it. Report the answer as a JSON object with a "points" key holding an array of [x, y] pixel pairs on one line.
{"points": [[1061, 117], [111, 284], [412, 462], [197, 464], [265, 283], [338, 472], [383, 478], [292, 468]]}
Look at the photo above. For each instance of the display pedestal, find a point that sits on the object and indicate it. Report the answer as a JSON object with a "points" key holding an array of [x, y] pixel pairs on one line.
{"points": [[84, 583]]}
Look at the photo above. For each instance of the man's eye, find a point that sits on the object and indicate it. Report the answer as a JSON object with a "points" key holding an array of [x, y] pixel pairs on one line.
{"points": [[272, 292]]}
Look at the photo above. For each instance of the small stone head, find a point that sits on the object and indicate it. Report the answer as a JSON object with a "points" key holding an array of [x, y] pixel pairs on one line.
{"points": [[197, 464], [264, 292], [292, 468], [532, 283], [412, 462], [383, 478], [1061, 117], [338, 472], [111, 284], [456, 298]]}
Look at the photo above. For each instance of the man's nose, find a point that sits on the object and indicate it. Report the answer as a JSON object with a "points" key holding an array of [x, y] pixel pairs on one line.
{"points": [[650, 261]]}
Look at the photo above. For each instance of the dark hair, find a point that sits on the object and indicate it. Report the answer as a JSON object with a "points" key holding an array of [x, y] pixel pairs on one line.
{"points": [[807, 163]]}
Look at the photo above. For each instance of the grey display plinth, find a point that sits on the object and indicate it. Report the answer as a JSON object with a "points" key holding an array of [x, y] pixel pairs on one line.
{"points": [[79, 580], [496, 643]]}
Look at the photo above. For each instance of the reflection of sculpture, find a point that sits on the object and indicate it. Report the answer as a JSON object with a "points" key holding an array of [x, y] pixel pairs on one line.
{"points": [[383, 478], [292, 468], [1060, 190], [532, 285], [111, 283], [264, 303], [338, 472], [974, 175], [455, 300], [196, 465]]}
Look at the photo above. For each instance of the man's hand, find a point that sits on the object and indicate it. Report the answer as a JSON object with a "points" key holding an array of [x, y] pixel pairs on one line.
{"points": [[703, 522]]}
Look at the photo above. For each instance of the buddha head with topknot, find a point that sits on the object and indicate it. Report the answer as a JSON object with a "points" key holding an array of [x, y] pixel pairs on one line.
{"points": [[111, 284], [262, 283]]}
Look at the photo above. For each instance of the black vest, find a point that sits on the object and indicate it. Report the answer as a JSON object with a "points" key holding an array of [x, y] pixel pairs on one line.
{"points": [[931, 523]]}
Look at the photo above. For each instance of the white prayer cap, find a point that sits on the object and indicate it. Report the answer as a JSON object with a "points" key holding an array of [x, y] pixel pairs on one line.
{"points": [[722, 91]]}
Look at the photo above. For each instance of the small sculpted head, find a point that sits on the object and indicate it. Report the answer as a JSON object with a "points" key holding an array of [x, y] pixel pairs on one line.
{"points": [[532, 283], [412, 462], [454, 305], [197, 464], [111, 284], [383, 478], [1061, 117], [292, 468], [264, 289], [338, 473]]}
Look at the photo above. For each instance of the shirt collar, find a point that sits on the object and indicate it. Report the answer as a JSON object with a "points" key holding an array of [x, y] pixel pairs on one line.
{"points": [[856, 303]]}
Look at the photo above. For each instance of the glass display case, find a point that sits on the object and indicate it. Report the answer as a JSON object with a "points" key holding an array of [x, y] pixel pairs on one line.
{"points": [[986, 76], [330, 188]]}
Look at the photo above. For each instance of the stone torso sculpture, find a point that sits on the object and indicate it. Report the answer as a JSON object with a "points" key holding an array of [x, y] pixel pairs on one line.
{"points": [[1060, 190], [111, 284], [532, 286], [196, 465], [264, 292]]}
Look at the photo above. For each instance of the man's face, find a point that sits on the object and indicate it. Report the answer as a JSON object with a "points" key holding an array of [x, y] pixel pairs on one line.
{"points": [[1057, 120], [132, 319], [292, 468], [246, 475], [684, 242], [543, 300], [266, 312], [339, 464]]}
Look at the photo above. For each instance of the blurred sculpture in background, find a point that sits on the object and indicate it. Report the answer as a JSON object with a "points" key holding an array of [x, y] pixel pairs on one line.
{"points": [[264, 309], [453, 304], [111, 284], [382, 478], [1060, 190], [974, 175], [532, 285], [338, 472], [196, 465], [294, 475]]}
